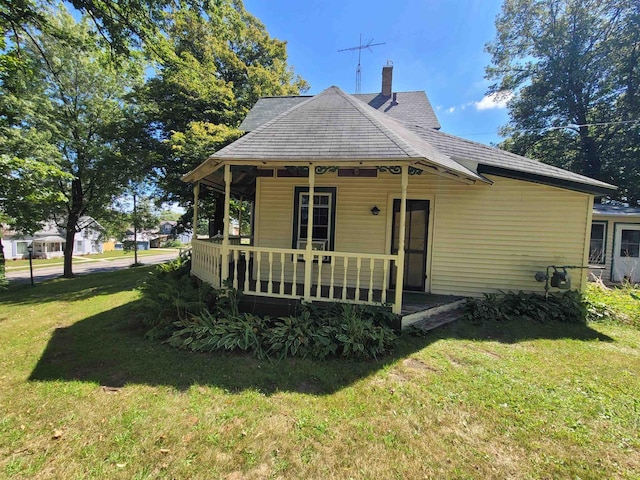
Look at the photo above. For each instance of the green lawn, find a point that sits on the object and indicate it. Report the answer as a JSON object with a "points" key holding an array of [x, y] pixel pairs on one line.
{"points": [[37, 262], [113, 255], [84, 395]]}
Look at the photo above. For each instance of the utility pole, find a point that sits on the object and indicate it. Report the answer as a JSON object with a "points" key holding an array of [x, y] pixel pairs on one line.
{"points": [[359, 48]]}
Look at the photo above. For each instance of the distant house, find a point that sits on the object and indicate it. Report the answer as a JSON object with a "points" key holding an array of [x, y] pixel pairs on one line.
{"points": [[362, 199], [143, 239], [167, 227], [614, 250], [168, 230], [50, 241]]}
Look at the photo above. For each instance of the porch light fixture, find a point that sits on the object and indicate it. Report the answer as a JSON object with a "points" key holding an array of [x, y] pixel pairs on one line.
{"points": [[375, 211]]}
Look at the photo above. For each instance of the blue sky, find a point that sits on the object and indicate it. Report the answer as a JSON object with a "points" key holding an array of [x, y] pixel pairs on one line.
{"points": [[435, 45]]}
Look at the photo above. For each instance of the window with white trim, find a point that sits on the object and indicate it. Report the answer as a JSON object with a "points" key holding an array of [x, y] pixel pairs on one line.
{"points": [[630, 243], [324, 218], [21, 248], [597, 243]]}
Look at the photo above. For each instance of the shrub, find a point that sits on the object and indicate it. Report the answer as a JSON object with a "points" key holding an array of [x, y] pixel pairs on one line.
{"points": [[170, 294], [323, 330], [569, 306], [208, 332], [361, 336], [195, 317], [350, 331], [172, 244], [298, 336]]}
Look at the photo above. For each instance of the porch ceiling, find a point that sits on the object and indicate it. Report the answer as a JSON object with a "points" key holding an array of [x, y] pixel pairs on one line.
{"points": [[210, 172]]}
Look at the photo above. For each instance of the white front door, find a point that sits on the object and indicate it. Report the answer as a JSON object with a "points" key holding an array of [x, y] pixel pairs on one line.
{"points": [[626, 253]]}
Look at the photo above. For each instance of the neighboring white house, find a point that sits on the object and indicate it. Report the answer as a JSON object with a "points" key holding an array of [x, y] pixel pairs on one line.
{"points": [[615, 243], [49, 242]]}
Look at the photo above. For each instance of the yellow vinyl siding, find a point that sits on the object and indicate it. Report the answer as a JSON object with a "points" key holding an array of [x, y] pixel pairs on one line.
{"points": [[497, 238], [483, 238]]}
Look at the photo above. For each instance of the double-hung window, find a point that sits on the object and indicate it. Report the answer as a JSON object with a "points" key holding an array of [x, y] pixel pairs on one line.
{"points": [[630, 244], [324, 218], [21, 248], [597, 243]]}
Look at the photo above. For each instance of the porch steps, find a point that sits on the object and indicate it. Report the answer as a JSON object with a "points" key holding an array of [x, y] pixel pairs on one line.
{"points": [[435, 316]]}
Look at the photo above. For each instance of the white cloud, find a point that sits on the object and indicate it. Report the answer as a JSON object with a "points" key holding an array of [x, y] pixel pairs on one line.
{"points": [[494, 100], [451, 110]]}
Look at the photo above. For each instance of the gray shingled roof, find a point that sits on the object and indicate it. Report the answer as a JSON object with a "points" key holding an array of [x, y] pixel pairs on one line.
{"points": [[333, 126], [615, 210], [409, 107], [462, 149], [268, 108]]}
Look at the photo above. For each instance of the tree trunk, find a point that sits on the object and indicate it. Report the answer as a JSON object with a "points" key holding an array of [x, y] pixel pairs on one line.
{"points": [[70, 236], [591, 163], [72, 223]]}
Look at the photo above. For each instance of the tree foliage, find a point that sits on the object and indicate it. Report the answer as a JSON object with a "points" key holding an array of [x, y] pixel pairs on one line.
{"points": [[68, 90], [122, 24], [218, 60], [572, 66], [82, 123]]}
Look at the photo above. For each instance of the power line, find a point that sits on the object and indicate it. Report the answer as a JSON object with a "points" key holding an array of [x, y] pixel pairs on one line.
{"points": [[573, 126], [569, 126]]}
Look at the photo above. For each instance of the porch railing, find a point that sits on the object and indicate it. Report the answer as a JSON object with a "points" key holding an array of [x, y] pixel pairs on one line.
{"points": [[280, 272]]}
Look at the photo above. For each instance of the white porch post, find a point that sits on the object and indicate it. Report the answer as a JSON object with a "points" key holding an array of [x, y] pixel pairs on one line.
{"points": [[194, 255], [196, 194], [397, 308], [308, 256], [227, 223]]}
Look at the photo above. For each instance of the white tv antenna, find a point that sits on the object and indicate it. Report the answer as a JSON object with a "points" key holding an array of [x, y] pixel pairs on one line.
{"points": [[359, 48]]}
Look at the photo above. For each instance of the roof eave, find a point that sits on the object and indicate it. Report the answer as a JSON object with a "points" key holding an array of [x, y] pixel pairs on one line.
{"points": [[598, 189], [203, 170]]}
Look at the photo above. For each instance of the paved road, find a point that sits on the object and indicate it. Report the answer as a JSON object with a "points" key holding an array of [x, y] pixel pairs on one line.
{"points": [[41, 274]]}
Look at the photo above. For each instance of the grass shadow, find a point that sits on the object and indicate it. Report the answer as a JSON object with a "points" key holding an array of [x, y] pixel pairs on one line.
{"points": [[110, 349], [514, 331]]}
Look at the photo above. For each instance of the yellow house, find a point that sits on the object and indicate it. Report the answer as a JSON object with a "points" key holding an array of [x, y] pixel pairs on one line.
{"points": [[396, 205]]}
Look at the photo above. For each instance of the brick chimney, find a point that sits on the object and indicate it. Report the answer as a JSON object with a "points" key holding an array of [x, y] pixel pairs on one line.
{"points": [[387, 75]]}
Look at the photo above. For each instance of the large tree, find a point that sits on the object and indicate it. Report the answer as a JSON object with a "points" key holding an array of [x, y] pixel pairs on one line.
{"points": [[29, 165], [217, 61], [122, 23], [28, 189], [78, 104], [572, 68]]}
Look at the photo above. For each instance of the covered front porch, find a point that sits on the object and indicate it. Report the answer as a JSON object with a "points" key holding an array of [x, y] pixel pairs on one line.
{"points": [[309, 271], [50, 246]]}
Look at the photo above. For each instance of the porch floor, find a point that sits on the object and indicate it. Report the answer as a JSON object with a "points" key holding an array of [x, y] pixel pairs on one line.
{"points": [[415, 302], [416, 306]]}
